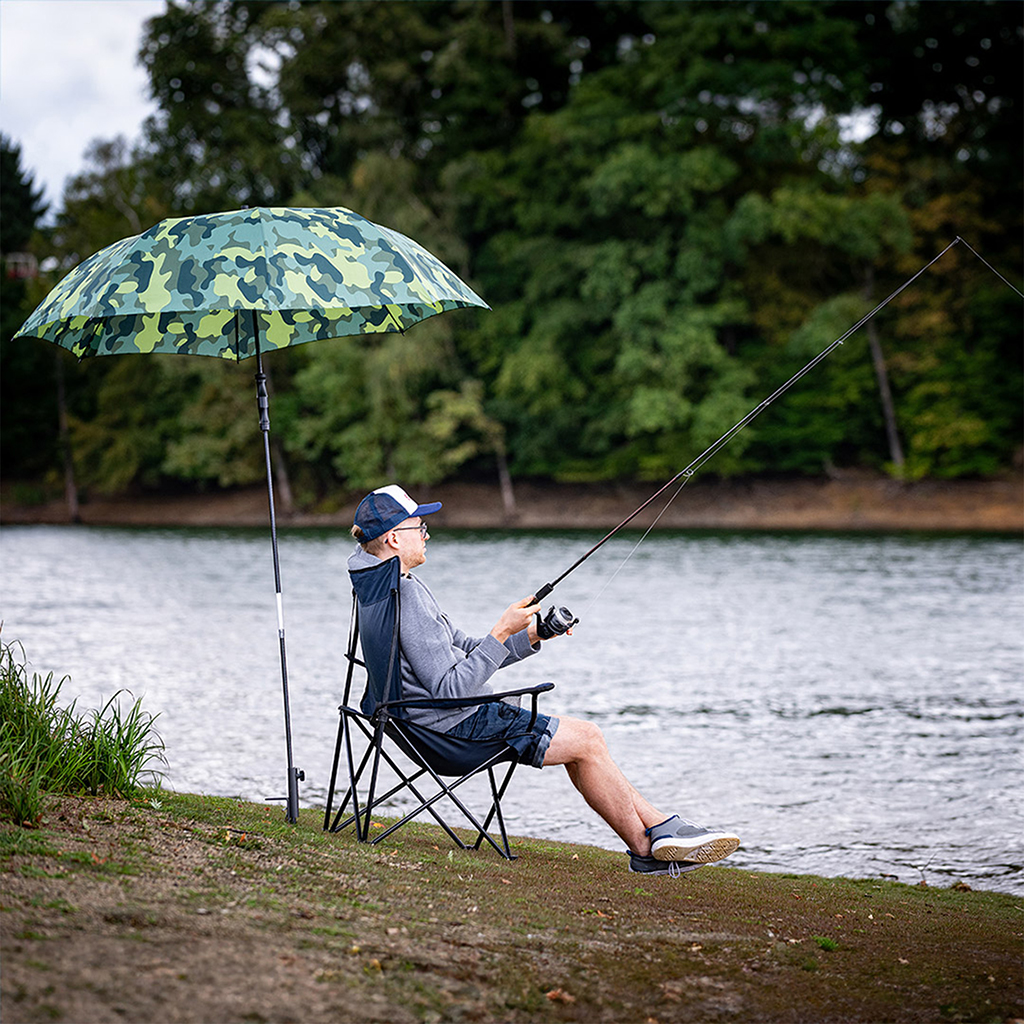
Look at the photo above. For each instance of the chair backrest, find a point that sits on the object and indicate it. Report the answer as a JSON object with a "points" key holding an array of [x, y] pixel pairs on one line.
{"points": [[377, 613]]}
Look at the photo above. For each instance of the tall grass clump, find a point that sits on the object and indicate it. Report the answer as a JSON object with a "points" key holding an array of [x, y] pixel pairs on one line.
{"points": [[45, 748]]}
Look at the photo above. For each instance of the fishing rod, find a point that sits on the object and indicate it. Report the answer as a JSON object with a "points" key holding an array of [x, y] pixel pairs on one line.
{"points": [[558, 620]]}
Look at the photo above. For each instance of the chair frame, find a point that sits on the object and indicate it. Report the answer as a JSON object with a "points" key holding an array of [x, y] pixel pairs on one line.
{"points": [[382, 724]]}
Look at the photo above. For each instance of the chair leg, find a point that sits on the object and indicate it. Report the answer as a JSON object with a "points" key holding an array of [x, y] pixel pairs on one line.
{"points": [[378, 739], [354, 774], [497, 794], [448, 791], [406, 783], [362, 831], [334, 769]]}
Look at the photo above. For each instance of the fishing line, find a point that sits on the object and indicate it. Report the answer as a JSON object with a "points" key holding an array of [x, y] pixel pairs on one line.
{"points": [[688, 472], [622, 564], [993, 269]]}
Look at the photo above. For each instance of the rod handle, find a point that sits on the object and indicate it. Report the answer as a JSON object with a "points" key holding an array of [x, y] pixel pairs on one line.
{"points": [[263, 401]]}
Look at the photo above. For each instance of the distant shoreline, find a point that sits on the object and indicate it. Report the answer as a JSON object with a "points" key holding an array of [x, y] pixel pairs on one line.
{"points": [[850, 503]]}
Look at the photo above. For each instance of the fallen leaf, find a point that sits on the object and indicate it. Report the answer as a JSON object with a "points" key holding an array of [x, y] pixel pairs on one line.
{"points": [[559, 995], [902, 961]]}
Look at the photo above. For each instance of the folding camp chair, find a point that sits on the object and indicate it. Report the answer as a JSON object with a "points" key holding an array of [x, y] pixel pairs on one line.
{"points": [[382, 722]]}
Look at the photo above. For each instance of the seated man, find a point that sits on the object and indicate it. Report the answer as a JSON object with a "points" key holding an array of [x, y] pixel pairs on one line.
{"points": [[439, 660]]}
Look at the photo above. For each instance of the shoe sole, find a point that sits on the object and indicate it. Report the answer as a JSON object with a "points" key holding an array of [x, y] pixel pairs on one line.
{"points": [[682, 870], [704, 853]]}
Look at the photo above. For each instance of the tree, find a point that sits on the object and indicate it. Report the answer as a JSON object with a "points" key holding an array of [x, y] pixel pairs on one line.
{"points": [[665, 204], [217, 139], [694, 203], [21, 202], [29, 436], [111, 198]]}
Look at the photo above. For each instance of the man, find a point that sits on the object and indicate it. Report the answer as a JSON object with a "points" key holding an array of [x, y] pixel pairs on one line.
{"points": [[439, 660]]}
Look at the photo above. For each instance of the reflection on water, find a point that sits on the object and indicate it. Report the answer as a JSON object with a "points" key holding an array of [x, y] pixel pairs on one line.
{"points": [[850, 705]]}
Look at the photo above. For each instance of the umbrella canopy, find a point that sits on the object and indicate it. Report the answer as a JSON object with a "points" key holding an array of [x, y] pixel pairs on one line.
{"points": [[301, 274]]}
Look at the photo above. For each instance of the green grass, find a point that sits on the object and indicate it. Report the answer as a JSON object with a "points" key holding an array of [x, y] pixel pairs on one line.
{"points": [[47, 748]]}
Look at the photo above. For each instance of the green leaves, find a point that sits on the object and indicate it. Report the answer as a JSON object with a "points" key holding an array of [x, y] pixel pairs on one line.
{"points": [[662, 202], [48, 748]]}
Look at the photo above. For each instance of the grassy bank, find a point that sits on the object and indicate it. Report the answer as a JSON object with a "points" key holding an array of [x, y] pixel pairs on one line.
{"points": [[49, 748], [181, 908]]}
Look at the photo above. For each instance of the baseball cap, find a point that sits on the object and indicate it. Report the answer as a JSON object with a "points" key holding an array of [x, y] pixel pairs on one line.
{"points": [[383, 509]]}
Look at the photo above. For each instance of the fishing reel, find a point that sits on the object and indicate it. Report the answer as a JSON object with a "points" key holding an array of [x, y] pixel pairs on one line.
{"points": [[557, 621]]}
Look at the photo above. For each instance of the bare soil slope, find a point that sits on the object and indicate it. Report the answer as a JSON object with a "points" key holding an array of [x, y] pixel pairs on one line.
{"points": [[191, 909], [852, 502]]}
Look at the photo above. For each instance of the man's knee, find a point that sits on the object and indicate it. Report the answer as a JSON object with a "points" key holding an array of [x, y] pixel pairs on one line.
{"points": [[593, 737], [577, 740]]}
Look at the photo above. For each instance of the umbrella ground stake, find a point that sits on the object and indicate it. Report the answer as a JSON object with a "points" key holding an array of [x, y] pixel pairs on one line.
{"points": [[295, 775]]}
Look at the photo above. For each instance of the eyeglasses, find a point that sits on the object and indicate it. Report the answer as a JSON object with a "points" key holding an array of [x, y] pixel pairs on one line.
{"points": [[422, 528]]}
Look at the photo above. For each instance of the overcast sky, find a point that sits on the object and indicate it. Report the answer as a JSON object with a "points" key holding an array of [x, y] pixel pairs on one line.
{"points": [[68, 75]]}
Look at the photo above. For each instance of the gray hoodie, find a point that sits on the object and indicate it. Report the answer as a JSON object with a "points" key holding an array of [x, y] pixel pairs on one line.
{"points": [[439, 660]]}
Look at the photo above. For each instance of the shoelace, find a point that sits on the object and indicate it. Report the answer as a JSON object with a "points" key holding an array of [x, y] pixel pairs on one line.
{"points": [[673, 869]]}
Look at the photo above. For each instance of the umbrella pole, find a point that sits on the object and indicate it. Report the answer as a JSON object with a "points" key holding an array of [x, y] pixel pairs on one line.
{"points": [[295, 776]]}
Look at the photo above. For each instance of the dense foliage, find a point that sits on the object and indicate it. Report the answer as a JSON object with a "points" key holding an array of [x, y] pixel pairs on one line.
{"points": [[670, 207]]}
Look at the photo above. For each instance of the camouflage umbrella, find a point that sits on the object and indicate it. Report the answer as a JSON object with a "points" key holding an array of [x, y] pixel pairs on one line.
{"points": [[236, 284]]}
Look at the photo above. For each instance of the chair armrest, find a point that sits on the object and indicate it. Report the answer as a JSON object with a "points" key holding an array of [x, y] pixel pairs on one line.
{"points": [[465, 702]]}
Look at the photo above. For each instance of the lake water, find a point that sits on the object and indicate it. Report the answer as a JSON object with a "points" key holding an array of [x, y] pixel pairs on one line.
{"points": [[850, 705]]}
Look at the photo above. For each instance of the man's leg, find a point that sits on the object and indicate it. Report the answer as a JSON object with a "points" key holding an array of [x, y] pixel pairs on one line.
{"points": [[581, 747]]}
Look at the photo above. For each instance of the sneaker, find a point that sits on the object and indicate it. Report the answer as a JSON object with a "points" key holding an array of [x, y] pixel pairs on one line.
{"points": [[679, 839], [652, 866]]}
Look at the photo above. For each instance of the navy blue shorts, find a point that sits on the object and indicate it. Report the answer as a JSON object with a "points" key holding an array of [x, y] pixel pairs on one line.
{"points": [[512, 725]]}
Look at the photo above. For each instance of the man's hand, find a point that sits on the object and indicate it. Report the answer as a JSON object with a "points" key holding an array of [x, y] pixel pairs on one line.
{"points": [[515, 618]]}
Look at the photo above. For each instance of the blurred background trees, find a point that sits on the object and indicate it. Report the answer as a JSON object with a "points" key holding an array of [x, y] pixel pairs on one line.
{"points": [[670, 207]]}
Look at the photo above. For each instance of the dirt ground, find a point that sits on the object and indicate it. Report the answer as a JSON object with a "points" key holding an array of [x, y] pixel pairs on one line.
{"points": [[852, 501], [187, 909]]}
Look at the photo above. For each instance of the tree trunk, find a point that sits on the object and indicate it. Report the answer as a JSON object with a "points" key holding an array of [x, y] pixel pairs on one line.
{"points": [[882, 375], [509, 23], [70, 486], [508, 496]]}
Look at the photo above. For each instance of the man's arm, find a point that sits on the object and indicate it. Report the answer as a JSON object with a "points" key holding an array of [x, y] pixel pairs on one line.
{"points": [[444, 662]]}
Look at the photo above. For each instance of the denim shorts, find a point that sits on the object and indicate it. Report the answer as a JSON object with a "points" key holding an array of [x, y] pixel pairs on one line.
{"points": [[511, 724]]}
